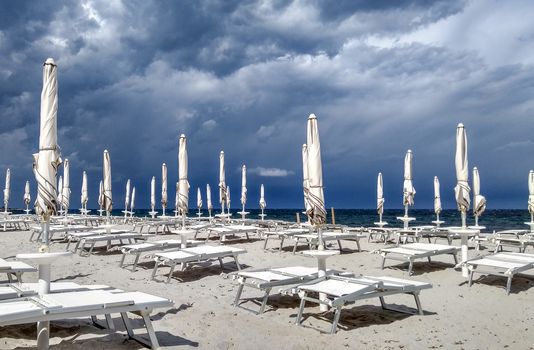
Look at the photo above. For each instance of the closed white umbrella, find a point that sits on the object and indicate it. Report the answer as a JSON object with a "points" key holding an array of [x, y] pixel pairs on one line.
{"points": [[163, 187], [177, 199], [65, 191], [132, 202], [101, 197], [437, 200], [7, 189], [153, 196], [208, 199], [243, 190], [531, 195], [263, 203], [199, 201], [408, 189], [45, 167], [317, 212], [305, 183], [379, 197], [60, 193], [182, 177], [27, 197], [462, 189], [222, 182], [108, 197], [479, 201], [126, 199], [85, 196]]}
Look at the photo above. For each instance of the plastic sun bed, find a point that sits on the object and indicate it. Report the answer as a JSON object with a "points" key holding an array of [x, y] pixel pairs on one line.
{"points": [[341, 291], [500, 264], [77, 237], [37, 230], [108, 238], [282, 235], [231, 230], [266, 279], [19, 290], [313, 238], [140, 248], [196, 254], [520, 239], [16, 268], [414, 251], [91, 303]]}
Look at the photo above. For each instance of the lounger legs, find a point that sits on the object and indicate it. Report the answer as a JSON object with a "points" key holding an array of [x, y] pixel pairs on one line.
{"points": [[301, 310], [238, 295], [153, 340], [337, 313], [509, 284], [264, 301]]}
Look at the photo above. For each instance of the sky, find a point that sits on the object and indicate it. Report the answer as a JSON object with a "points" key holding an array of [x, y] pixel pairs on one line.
{"points": [[243, 76]]}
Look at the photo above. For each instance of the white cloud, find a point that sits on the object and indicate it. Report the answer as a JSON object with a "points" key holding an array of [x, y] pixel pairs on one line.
{"points": [[270, 172]]}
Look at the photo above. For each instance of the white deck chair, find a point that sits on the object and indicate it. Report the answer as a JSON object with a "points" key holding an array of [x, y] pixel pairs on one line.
{"points": [[15, 268], [341, 291], [312, 239], [196, 254], [91, 241], [66, 305], [414, 251], [500, 264], [281, 235], [520, 239], [137, 249], [77, 237], [231, 230], [54, 229]]}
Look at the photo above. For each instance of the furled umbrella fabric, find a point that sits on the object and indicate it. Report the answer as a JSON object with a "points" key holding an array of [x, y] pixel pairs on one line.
{"points": [[182, 175], [164, 185], [228, 201], [437, 196], [263, 203], [85, 196], [305, 183], [177, 199], [479, 201], [108, 198], [379, 195], [408, 188], [27, 197], [101, 194], [199, 198], [462, 189], [222, 181], [7, 188], [531, 192], [132, 201], [153, 193], [60, 191], [243, 186], [208, 197], [317, 211], [127, 196], [65, 191], [47, 160]]}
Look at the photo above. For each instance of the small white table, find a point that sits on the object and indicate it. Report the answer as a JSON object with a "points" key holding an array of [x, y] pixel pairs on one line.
{"points": [[406, 220], [183, 233], [321, 256], [380, 223], [438, 222]]}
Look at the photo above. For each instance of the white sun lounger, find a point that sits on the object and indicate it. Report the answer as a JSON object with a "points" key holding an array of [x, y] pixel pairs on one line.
{"points": [[140, 248], [19, 290], [108, 238], [341, 291], [14, 223], [230, 230], [66, 305], [282, 235], [520, 239], [266, 279], [312, 239], [196, 254], [77, 237], [414, 251], [15, 268], [500, 264], [53, 229]]}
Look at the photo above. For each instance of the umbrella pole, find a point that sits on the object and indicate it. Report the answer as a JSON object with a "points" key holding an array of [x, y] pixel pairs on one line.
{"points": [[183, 219], [43, 327], [163, 208], [320, 234], [465, 272], [380, 217], [476, 220]]}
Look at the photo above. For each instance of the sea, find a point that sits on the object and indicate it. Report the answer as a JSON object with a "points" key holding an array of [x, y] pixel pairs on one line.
{"points": [[493, 220]]}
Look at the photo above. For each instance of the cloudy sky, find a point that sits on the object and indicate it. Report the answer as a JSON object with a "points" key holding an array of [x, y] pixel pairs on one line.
{"points": [[241, 76]]}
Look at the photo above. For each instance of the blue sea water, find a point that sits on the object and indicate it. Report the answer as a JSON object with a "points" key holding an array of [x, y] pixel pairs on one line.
{"points": [[499, 219]]}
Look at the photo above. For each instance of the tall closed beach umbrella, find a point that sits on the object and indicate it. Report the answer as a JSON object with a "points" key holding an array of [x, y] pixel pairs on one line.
{"points": [[101, 197], [379, 197], [316, 212], [108, 197], [243, 190], [408, 188], [222, 182], [305, 183], [182, 177], [27, 196], [208, 199], [126, 199], [199, 201], [531, 195], [479, 201], [7, 189], [177, 199], [153, 196], [65, 191], [60, 193], [132, 202], [437, 200], [263, 203], [85, 196], [163, 187]]}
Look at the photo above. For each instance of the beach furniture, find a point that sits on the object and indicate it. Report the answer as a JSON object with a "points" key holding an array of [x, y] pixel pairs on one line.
{"points": [[281, 235], [87, 303], [500, 264], [55, 229], [265, 280], [14, 223], [121, 238], [136, 250], [188, 256], [380, 234], [520, 239], [18, 290], [416, 251], [223, 232], [15, 269], [312, 239], [341, 291], [76, 237]]}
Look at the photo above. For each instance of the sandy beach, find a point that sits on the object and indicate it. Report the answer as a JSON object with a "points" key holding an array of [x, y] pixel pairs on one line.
{"points": [[456, 316]]}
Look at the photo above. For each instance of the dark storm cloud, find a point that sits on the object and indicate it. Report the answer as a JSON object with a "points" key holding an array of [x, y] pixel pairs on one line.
{"points": [[242, 77]]}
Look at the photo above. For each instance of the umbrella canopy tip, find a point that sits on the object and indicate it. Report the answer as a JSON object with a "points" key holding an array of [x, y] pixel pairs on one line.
{"points": [[106, 151], [222, 152], [51, 61], [409, 151], [312, 116], [182, 136], [475, 168], [460, 125]]}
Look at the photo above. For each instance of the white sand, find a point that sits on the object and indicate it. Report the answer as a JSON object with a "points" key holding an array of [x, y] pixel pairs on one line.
{"points": [[457, 317]]}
